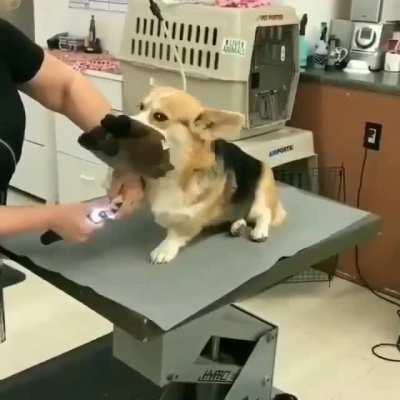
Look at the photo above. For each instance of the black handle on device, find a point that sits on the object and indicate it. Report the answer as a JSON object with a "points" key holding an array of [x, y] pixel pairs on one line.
{"points": [[50, 237]]}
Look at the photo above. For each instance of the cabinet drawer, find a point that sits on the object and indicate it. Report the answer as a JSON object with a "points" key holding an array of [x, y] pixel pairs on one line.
{"points": [[67, 135], [35, 172], [111, 89], [79, 180], [39, 121]]}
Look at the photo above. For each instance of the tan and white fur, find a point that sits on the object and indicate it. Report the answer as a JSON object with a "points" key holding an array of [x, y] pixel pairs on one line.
{"points": [[198, 192], [212, 181]]}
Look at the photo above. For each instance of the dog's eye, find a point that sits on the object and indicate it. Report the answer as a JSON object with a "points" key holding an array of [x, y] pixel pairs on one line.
{"points": [[141, 106], [160, 117]]}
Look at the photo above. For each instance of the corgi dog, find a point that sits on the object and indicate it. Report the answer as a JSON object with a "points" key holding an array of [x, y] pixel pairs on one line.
{"points": [[211, 181]]}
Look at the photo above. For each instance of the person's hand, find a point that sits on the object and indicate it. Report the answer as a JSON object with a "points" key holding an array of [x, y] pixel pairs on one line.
{"points": [[126, 189], [71, 223]]}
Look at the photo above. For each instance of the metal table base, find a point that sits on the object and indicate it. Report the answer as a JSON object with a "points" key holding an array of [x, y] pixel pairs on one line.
{"points": [[8, 277], [2, 317], [227, 354]]}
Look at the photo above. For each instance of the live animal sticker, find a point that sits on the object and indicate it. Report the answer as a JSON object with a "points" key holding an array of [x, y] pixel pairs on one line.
{"points": [[234, 47]]}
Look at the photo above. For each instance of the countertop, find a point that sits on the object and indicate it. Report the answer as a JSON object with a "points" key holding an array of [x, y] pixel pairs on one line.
{"points": [[100, 65], [380, 82]]}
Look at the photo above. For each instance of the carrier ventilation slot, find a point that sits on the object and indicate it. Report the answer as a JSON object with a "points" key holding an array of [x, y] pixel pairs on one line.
{"points": [[188, 33], [152, 27], [164, 52], [187, 38]]}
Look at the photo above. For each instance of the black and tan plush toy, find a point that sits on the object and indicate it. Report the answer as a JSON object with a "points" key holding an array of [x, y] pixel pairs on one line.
{"points": [[122, 141]]}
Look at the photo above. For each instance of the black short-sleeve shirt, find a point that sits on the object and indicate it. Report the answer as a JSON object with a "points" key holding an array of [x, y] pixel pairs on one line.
{"points": [[20, 60]]}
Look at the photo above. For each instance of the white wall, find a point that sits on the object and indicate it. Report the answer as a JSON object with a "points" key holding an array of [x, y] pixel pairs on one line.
{"points": [[22, 18], [319, 11], [54, 16], [50, 18], [110, 26]]}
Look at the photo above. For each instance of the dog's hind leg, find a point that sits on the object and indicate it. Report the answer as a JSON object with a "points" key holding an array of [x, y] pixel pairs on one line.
{"points": [[169, 248]]}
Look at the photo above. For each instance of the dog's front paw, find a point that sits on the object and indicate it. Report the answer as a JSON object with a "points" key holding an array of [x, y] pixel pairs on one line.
{"points": [[238, 228], [164, 253], [259, 235]]}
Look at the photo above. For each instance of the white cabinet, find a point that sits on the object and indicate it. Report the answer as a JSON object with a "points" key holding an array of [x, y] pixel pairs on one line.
{"points": [[39, 122], [366, 10], [81, 176], [53, 166], [79, 180], [67, 134], [36, 173], [111, 87]]}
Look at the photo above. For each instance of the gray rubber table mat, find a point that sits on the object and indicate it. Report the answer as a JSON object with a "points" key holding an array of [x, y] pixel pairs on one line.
{"points": [[116, 264]]}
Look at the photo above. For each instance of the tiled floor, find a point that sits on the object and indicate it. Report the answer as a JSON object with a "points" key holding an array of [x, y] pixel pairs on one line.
{"points": [[42, 323], [325, 339], [324, 344]]}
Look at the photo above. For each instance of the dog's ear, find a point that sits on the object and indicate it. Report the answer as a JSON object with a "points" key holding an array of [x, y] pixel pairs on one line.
{"points": [[214, 124]]}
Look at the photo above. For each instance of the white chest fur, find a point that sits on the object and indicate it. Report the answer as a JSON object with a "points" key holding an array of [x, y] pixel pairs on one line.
{"points": [[168, 202], [171, 204]]}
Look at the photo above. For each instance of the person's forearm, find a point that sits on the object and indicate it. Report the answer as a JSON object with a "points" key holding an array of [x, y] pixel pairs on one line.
{"points": [[59, 88], [16, 220], [83, 104]]}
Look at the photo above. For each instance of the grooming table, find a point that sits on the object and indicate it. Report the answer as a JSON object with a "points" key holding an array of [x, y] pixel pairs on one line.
{"points": [[175, 324]]}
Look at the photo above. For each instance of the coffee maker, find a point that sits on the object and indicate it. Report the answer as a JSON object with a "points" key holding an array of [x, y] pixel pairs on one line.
{"points": [[368, 45], [365, 35]]}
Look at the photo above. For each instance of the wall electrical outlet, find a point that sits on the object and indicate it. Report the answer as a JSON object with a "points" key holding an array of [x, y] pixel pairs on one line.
{"points": [[373, 136]]}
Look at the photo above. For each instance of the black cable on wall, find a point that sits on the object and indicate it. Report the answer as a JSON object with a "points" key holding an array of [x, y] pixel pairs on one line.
{"points": [[375, 349]]}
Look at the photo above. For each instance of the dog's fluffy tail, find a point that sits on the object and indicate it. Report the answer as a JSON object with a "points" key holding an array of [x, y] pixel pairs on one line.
{"points": [[280, 215]]}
